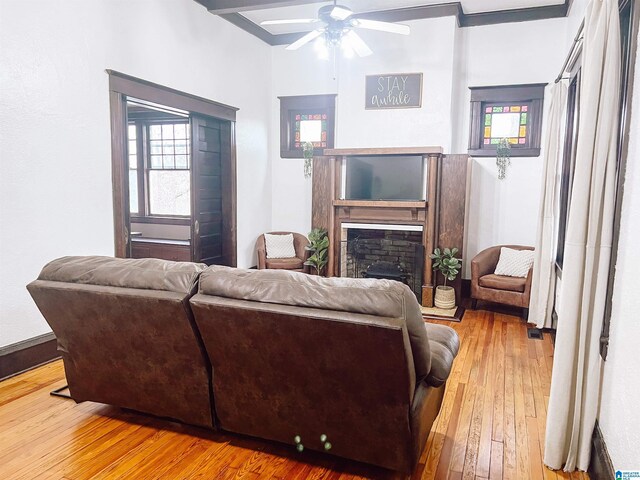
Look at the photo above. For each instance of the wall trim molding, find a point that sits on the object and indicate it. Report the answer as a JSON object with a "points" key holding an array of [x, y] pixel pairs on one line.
{"points": [[27, 354], [600, 465], [403, 15]]}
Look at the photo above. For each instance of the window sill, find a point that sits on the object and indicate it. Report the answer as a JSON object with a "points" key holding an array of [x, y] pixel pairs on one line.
{"points": [[162, 220]]}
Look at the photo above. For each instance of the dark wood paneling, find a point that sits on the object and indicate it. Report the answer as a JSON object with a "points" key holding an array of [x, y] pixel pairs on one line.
{"points": [[452, 193], [600, 465], [384, 151], [430, 229], [206, 182], [176, 253], [153, 92], [322, 197], [27, 354]]}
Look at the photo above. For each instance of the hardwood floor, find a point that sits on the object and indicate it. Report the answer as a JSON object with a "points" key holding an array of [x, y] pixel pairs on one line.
{"points": [[491, 426]]}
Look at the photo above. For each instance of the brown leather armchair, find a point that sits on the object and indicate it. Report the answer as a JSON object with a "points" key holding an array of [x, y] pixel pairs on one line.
{"points": [[485, 285], [296, 263]]}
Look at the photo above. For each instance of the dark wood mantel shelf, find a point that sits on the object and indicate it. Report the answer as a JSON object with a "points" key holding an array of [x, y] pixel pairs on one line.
{"points": [[380, 203], [330, 152]]}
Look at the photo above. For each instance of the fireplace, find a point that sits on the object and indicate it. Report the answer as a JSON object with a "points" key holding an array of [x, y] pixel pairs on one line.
{"points": [[436, 212], [394, 252]]}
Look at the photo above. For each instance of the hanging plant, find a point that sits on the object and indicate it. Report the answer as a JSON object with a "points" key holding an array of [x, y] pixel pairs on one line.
{"points": [[307, 153], [503, 160]]}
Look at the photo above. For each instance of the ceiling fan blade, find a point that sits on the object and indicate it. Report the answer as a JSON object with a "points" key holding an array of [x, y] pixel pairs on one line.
{"points": [[358, 44], [382, 26], [340, 13], [290, 21], [306, 39]]}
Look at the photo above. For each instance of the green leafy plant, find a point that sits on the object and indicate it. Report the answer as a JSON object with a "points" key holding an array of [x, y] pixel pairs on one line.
{"points": [[307, 153], [319, 248], [446, 263], [503, 157]]}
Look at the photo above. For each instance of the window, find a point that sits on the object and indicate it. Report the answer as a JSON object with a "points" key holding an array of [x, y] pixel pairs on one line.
{"points": [[511, 112], [568, 163], [309, 118], [159, 169]]}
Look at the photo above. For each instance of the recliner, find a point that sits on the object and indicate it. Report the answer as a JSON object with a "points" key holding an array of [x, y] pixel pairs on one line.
{"points": [[278, 353]]}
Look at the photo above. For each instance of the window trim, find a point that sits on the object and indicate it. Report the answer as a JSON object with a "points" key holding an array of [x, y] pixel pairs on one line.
{"points": [[325, 104], [568, 160], [531, 94]]}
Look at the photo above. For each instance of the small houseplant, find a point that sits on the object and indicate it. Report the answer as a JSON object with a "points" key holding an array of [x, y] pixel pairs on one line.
{"points": [[445, 262], [307, 153], [503, 157], [319, 250]]}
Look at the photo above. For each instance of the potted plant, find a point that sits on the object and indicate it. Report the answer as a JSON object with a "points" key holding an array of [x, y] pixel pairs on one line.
{"points": [[319, 248], [446, 263], [307, 153], [503, 157]]}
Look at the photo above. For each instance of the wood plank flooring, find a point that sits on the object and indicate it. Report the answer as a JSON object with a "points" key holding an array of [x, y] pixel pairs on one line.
{"points": [[491, 426]]}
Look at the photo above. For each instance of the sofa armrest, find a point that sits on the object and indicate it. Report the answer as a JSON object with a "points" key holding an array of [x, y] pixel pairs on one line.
{"points": [[484, 263]]}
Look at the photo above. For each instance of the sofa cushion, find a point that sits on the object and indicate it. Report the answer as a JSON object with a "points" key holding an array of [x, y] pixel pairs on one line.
{"points": [[501, 282], [444, 335], [514, 263], [444, 344], [383, 298], [284, 263], [279, 246], [145, 273]]}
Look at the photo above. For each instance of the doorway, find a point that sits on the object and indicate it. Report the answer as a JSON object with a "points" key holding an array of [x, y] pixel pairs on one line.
{"points": [[174, 181]]}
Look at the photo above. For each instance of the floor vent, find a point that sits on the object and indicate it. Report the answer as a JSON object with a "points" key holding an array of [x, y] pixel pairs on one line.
{"points": [[534, 333]]}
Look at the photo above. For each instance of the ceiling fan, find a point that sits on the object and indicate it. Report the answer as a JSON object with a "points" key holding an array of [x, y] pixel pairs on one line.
{"points": [[338, 30]]}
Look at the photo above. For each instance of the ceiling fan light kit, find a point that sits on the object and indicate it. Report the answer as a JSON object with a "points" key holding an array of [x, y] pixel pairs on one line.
{"points": [[338, 31]]}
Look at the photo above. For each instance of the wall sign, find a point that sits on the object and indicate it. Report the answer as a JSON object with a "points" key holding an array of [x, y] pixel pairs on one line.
{"points": [[393, 90]]}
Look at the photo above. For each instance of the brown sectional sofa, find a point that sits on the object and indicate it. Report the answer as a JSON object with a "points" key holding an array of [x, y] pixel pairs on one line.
{"points": [[275, 354]]}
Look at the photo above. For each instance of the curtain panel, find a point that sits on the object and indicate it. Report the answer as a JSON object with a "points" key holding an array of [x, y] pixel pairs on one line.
{"points": [[543, 283], [577, 366]]}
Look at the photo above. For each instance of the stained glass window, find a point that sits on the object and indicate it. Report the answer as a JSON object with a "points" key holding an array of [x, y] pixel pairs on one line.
{"points": [[506, 121], [512, 112], [310, 127], [306, 118]]}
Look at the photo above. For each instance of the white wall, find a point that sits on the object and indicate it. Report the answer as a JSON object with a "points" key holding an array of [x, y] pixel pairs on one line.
{"points": [[55, 182], [452, 59], [619, 415], [505, 211], [429, 49]]}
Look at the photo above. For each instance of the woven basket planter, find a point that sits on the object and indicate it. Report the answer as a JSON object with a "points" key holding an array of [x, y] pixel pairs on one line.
{"points": [[445, 297]]}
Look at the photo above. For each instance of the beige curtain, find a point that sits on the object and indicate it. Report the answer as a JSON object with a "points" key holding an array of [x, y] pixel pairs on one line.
{"points": [[575, 382], [544, 276]]}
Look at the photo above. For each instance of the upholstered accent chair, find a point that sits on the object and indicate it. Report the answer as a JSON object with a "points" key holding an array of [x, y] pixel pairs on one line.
{"points": [[296, 263], [485, 285]]}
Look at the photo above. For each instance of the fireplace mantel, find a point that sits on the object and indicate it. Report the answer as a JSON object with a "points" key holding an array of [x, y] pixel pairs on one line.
{"points": [[440, 215]]}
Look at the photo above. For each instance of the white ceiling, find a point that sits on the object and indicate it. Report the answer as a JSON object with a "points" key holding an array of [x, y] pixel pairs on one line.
{"points": [[360, 6]]}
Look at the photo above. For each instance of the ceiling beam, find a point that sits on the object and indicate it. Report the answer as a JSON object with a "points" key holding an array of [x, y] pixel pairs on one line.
{"points": [[219, 7]]}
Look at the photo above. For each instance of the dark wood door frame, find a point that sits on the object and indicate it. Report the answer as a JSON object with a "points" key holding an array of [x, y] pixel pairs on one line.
{"points": [[122, 86]]}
